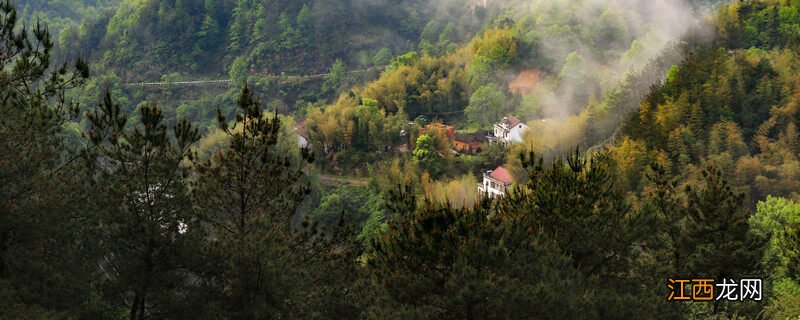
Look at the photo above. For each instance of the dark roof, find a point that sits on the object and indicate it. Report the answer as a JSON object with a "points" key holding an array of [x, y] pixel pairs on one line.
{"points": [[302, 129], [477, 136], [502, 175], [510, 121]]}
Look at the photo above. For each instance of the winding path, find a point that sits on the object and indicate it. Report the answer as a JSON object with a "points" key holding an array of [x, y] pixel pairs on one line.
{"points": [[329, 179], [227, 81]]}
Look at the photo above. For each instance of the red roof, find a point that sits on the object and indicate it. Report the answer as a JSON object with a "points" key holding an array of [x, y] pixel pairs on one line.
{"points": [[502, 175], [448, 130]]}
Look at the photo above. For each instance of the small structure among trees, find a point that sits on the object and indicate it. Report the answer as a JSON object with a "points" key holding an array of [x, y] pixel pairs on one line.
{"points": [[496, 182], [448, 131], [509, 130], [470, 142], [302, 135]]}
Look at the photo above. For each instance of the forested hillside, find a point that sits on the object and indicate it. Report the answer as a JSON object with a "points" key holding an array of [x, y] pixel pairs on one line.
{"points": [[64, 14], [333, 170], [145, 39], [579, 54]]}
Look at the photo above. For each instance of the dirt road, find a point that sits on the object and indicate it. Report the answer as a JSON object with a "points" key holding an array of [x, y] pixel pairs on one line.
{"points": [[329, 179]]}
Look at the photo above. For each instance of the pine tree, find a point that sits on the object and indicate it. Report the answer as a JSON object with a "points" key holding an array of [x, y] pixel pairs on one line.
{"points": [[499, 259], [43, 265], [791, 138], [263, 261], [335, 80], [239, 35], [304, 18], [439, 262], [144, 206], [790, 245], [717, 242], [575, 203], [703, 232], [209, 34]]}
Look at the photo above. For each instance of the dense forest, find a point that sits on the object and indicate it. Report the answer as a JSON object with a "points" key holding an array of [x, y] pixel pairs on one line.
{"points": [[331, 168]]}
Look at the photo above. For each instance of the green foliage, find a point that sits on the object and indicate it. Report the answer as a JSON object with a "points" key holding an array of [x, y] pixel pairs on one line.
{"points": [[735, 109], [249, 193], [786, 299], [486, 106], [335, 79], [762, 24], [147, 233], [492, 157], [382, 58], [790, 246], [569, 201], [436, 261], [227, 229], [776, 219], [374, 226], [745, 136], [493, 52], [576, 74], [406, 60], [354, 204], [238, 70], [774, 214], [717, 231], [429, 86], [293, 37], [47, 253], [209, 34], [672, 76], [60, 15], [352, 131], [703, 230], [425, 149], [439, 262]]}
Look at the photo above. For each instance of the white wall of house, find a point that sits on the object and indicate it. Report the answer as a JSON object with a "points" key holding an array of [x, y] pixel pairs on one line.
{"points": [[509, 135], [492, 187], [301, 141], [515, 134]]}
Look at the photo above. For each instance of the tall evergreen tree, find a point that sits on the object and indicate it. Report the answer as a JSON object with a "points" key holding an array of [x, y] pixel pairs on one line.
{"points": [[720, 243], [548, 249], [143, 205], [42, 262], [790, 245], [440, 262], [705, 232], [574, 203], [262, 258]]}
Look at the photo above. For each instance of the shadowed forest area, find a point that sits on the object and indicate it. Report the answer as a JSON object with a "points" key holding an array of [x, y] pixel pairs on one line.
{"points": [[398, 159]]}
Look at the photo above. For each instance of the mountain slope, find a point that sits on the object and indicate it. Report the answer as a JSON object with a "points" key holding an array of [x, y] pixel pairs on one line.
{"points": [[146, 38]]}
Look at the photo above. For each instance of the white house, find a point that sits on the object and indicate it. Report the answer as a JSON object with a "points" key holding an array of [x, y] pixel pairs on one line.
{"points": [[509, 130], [496, 182], [301, 133], [302, 141]]}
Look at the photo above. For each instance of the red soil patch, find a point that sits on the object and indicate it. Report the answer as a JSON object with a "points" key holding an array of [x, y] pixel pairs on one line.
{"points": [[525, 82]]}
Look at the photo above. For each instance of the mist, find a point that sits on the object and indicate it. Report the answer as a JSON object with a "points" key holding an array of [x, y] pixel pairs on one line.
{"points": [[606, 41], [583, 52]]}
